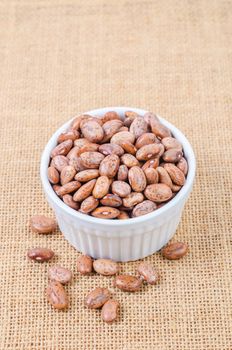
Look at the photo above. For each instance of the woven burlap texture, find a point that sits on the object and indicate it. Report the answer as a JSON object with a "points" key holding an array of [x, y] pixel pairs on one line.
{"points": [[63, 57]]}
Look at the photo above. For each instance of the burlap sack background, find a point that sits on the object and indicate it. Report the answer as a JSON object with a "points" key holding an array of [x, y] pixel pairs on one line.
{"points": [[60, 58]]}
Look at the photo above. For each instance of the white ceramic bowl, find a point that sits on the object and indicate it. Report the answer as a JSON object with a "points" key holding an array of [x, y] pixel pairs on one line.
{"points": [[120, 240]]}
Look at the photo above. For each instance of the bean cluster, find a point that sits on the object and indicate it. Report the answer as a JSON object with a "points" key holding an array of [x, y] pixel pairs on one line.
{"points": [[98, 298], [117, 168]]}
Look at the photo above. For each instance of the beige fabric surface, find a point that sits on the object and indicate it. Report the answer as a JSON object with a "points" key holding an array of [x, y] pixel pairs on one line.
{"points": [[59, 58]]}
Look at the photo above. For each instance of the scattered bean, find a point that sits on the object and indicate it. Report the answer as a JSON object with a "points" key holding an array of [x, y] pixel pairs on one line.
{"points": [[175, 251], [110, 311], [97, 298], [59, 274], [57, 295], [149, 274], [105, 267], [128, 283], [84, 264], [40, 254], [42, 224]]}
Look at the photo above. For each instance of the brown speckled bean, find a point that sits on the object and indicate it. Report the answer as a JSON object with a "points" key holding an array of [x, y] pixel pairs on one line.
{"points": [[175, 251], [80, 143], [59, 274], [87, 175], [147, 152], [91, 160], [88, 205], [89, 147], [158, 193], [146, 139], [110, 311], [84, 191], [69, 135], [128, 283], [129, 160], [183, 165], [111, 115], [152, 176], [67, 174], [92, 131], [40, 254], [171, 142], [111, 200], [149, 274], [59, 162], [152, 163], [129, 147], [68, 188], [122, 136], [109, 166], [105, 212], [101, 187], [62, 149], [172, 155], [138, 127], [143, 208], [149, 117], [122, 172], [111, 148], [159, 129], [53, 175], [175, 174], [42, 224], [68, 199], [97, 298], [137, 179], [121, 188], [111, 128], [57, 295], [106, 267], [164, 177], [132, 199], [77, 164], [84, 264]]}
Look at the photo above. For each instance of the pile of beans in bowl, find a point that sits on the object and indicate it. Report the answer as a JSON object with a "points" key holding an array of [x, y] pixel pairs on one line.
{"points": [[117, 168]]}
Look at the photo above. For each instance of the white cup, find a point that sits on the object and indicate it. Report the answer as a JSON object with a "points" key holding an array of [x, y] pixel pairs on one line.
{"points": [[120, 240]]}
